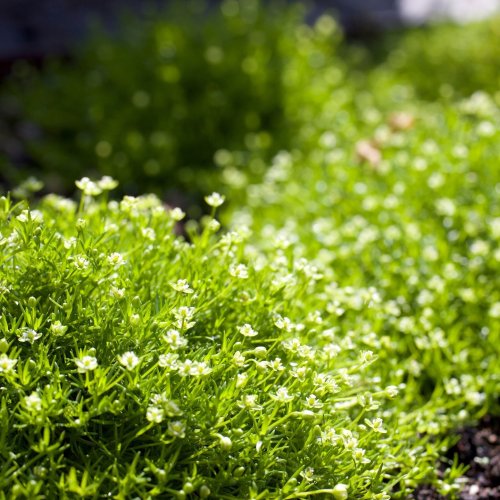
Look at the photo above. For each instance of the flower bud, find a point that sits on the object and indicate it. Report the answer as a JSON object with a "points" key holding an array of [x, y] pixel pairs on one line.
{"points": [[340, 492], [204, 491], [239, 471], [225, 443], [188, 487]]}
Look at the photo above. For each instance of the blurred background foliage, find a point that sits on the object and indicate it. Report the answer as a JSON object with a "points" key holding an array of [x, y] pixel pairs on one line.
{"points": [[159, 103], [151, 104], [437, 61]]}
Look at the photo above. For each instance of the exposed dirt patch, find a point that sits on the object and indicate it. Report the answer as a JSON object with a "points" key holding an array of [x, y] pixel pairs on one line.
{"points": [[479, 448]]}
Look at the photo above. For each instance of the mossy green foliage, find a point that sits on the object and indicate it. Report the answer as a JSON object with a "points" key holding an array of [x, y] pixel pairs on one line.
{"points": [[136, 363], [323, 351], [327, 342]]}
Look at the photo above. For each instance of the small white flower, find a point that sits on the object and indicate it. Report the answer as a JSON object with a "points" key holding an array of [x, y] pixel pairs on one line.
{"points": [[308, 474], [57, 328], [69, 243], [199, 368], [475, 398], [86, 364], [358, 454], [247, 331], [183, 316], [170, 407], [331, 350], [299, 372], [306, 351], [181, 286], [238, 359], [391, 391], [175, 339], [292, 345], [116, 259], [350, 442], [148, 233], [276, 365], [88, 187], [177, 429], [107, 183], [213, 225], [190, 368], [129, 360], [81, 262], [282, 395], [33, 402], [28, 335], [177, 214], [249, 402], [214, 200], [6, 364], [283, 323], [239, 271], [329, 436], [376, 424], [154, 414], [313, 402]]}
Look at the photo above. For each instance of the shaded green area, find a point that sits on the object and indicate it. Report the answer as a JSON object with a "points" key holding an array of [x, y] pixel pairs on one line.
{"points": [[153, 103]]}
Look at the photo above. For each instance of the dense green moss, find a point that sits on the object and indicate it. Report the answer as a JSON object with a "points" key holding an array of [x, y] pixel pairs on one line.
{"points": [[327, 342]]}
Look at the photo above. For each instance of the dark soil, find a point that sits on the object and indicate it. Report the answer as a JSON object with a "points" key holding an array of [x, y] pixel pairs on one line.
{"points": [[479, 448]]}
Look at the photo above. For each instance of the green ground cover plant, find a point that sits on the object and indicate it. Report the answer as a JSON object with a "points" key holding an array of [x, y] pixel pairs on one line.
{"points": [[327, 353], [151, 104], [414, 214], [322, 333], [135, 363]]}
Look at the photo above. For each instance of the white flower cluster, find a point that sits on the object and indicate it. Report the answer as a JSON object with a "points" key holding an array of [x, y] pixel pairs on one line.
{"points": [[184, 317], [95, 188], [184, 368]]}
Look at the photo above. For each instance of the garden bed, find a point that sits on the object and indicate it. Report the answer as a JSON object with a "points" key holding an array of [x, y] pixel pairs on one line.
{"points": [[329, 325]]}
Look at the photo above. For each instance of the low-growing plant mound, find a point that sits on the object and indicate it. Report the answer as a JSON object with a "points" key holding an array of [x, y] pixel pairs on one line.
{"points": [[328, 343], [412, 209], [135, 363]]}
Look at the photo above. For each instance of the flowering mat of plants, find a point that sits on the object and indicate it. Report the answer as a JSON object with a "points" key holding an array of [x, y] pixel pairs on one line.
{"points": [[324, 324]]}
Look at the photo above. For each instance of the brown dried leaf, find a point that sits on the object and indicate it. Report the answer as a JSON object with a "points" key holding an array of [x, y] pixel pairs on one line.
{"points": [[401, 121], [366, 151]]}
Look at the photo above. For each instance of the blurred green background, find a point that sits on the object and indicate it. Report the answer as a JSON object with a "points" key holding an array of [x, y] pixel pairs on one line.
{"points": [[161, 100]]}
